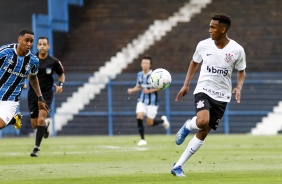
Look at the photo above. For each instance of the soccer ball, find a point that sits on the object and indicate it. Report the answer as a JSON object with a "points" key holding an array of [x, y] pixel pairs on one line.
{"points": [[160, 78]]}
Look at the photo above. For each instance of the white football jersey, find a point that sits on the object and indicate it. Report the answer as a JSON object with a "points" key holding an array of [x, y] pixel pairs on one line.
{"points": [[217, 67]]}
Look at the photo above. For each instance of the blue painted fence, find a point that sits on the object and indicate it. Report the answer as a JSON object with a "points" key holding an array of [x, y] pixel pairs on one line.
{"points": [[110, 113]]}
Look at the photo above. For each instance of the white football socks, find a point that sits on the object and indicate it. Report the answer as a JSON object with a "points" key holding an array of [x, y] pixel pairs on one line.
{"points": [[192, 147], [191, 124]]}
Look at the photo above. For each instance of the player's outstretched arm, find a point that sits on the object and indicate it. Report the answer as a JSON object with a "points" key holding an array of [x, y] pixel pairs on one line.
{"points": [[241, 75], [35, 84], [134, 89], [185, 88]]}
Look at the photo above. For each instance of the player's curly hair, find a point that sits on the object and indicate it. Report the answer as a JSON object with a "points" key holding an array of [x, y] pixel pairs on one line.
{"points": [[25, 31], [223, 19]]}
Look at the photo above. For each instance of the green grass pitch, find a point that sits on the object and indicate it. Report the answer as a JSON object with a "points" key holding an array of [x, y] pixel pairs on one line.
{"points": [[223, 159]]}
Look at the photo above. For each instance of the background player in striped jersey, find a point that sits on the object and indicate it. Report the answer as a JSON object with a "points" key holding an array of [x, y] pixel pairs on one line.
{"points": [[219, 55], [47, 66], [16, 64], [148, 101]]}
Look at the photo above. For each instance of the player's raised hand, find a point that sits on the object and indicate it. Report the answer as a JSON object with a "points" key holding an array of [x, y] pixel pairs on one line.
{"points": [[183, 91]]}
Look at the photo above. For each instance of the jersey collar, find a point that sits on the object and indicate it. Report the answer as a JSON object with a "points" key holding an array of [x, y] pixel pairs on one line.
{"points": [[15, 49]]}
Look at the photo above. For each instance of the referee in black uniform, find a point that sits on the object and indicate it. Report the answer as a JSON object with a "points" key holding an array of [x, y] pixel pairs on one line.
{"points": [[47, 66]]}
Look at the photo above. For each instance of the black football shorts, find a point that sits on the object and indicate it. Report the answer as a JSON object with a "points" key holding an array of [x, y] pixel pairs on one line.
{"points": [[216, 108]]}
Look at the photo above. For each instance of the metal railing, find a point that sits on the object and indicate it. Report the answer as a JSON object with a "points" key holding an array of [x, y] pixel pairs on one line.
{"points": [[168, 112]]}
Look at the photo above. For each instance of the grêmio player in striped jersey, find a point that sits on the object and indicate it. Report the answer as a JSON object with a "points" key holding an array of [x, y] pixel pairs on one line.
{"points": [[17, 64]]}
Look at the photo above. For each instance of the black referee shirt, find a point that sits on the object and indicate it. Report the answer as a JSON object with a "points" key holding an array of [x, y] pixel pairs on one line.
{"points": [[47, 67]]}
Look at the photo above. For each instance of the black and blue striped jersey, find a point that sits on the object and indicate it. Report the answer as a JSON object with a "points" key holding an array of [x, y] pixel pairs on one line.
{"points": [[144, 83], [14, 71]]}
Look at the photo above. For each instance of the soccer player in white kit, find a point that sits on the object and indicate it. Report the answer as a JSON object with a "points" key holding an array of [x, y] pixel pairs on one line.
{"points": [[219, 56]]}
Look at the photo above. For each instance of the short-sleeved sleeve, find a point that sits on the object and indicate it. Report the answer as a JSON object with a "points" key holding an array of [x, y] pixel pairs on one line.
{"points": [[34, 66], [241, 60], [58, 68], [197, 55]]}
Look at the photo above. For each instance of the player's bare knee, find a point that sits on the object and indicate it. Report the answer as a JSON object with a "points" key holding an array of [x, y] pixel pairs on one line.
{"points": [[140, 116], [2, 124], [150, 122], [41, 121], [202, 122]]}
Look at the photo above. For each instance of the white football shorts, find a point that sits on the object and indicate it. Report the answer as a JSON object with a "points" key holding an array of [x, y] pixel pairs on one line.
{"points": [[149, 110], [8, 110]]}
